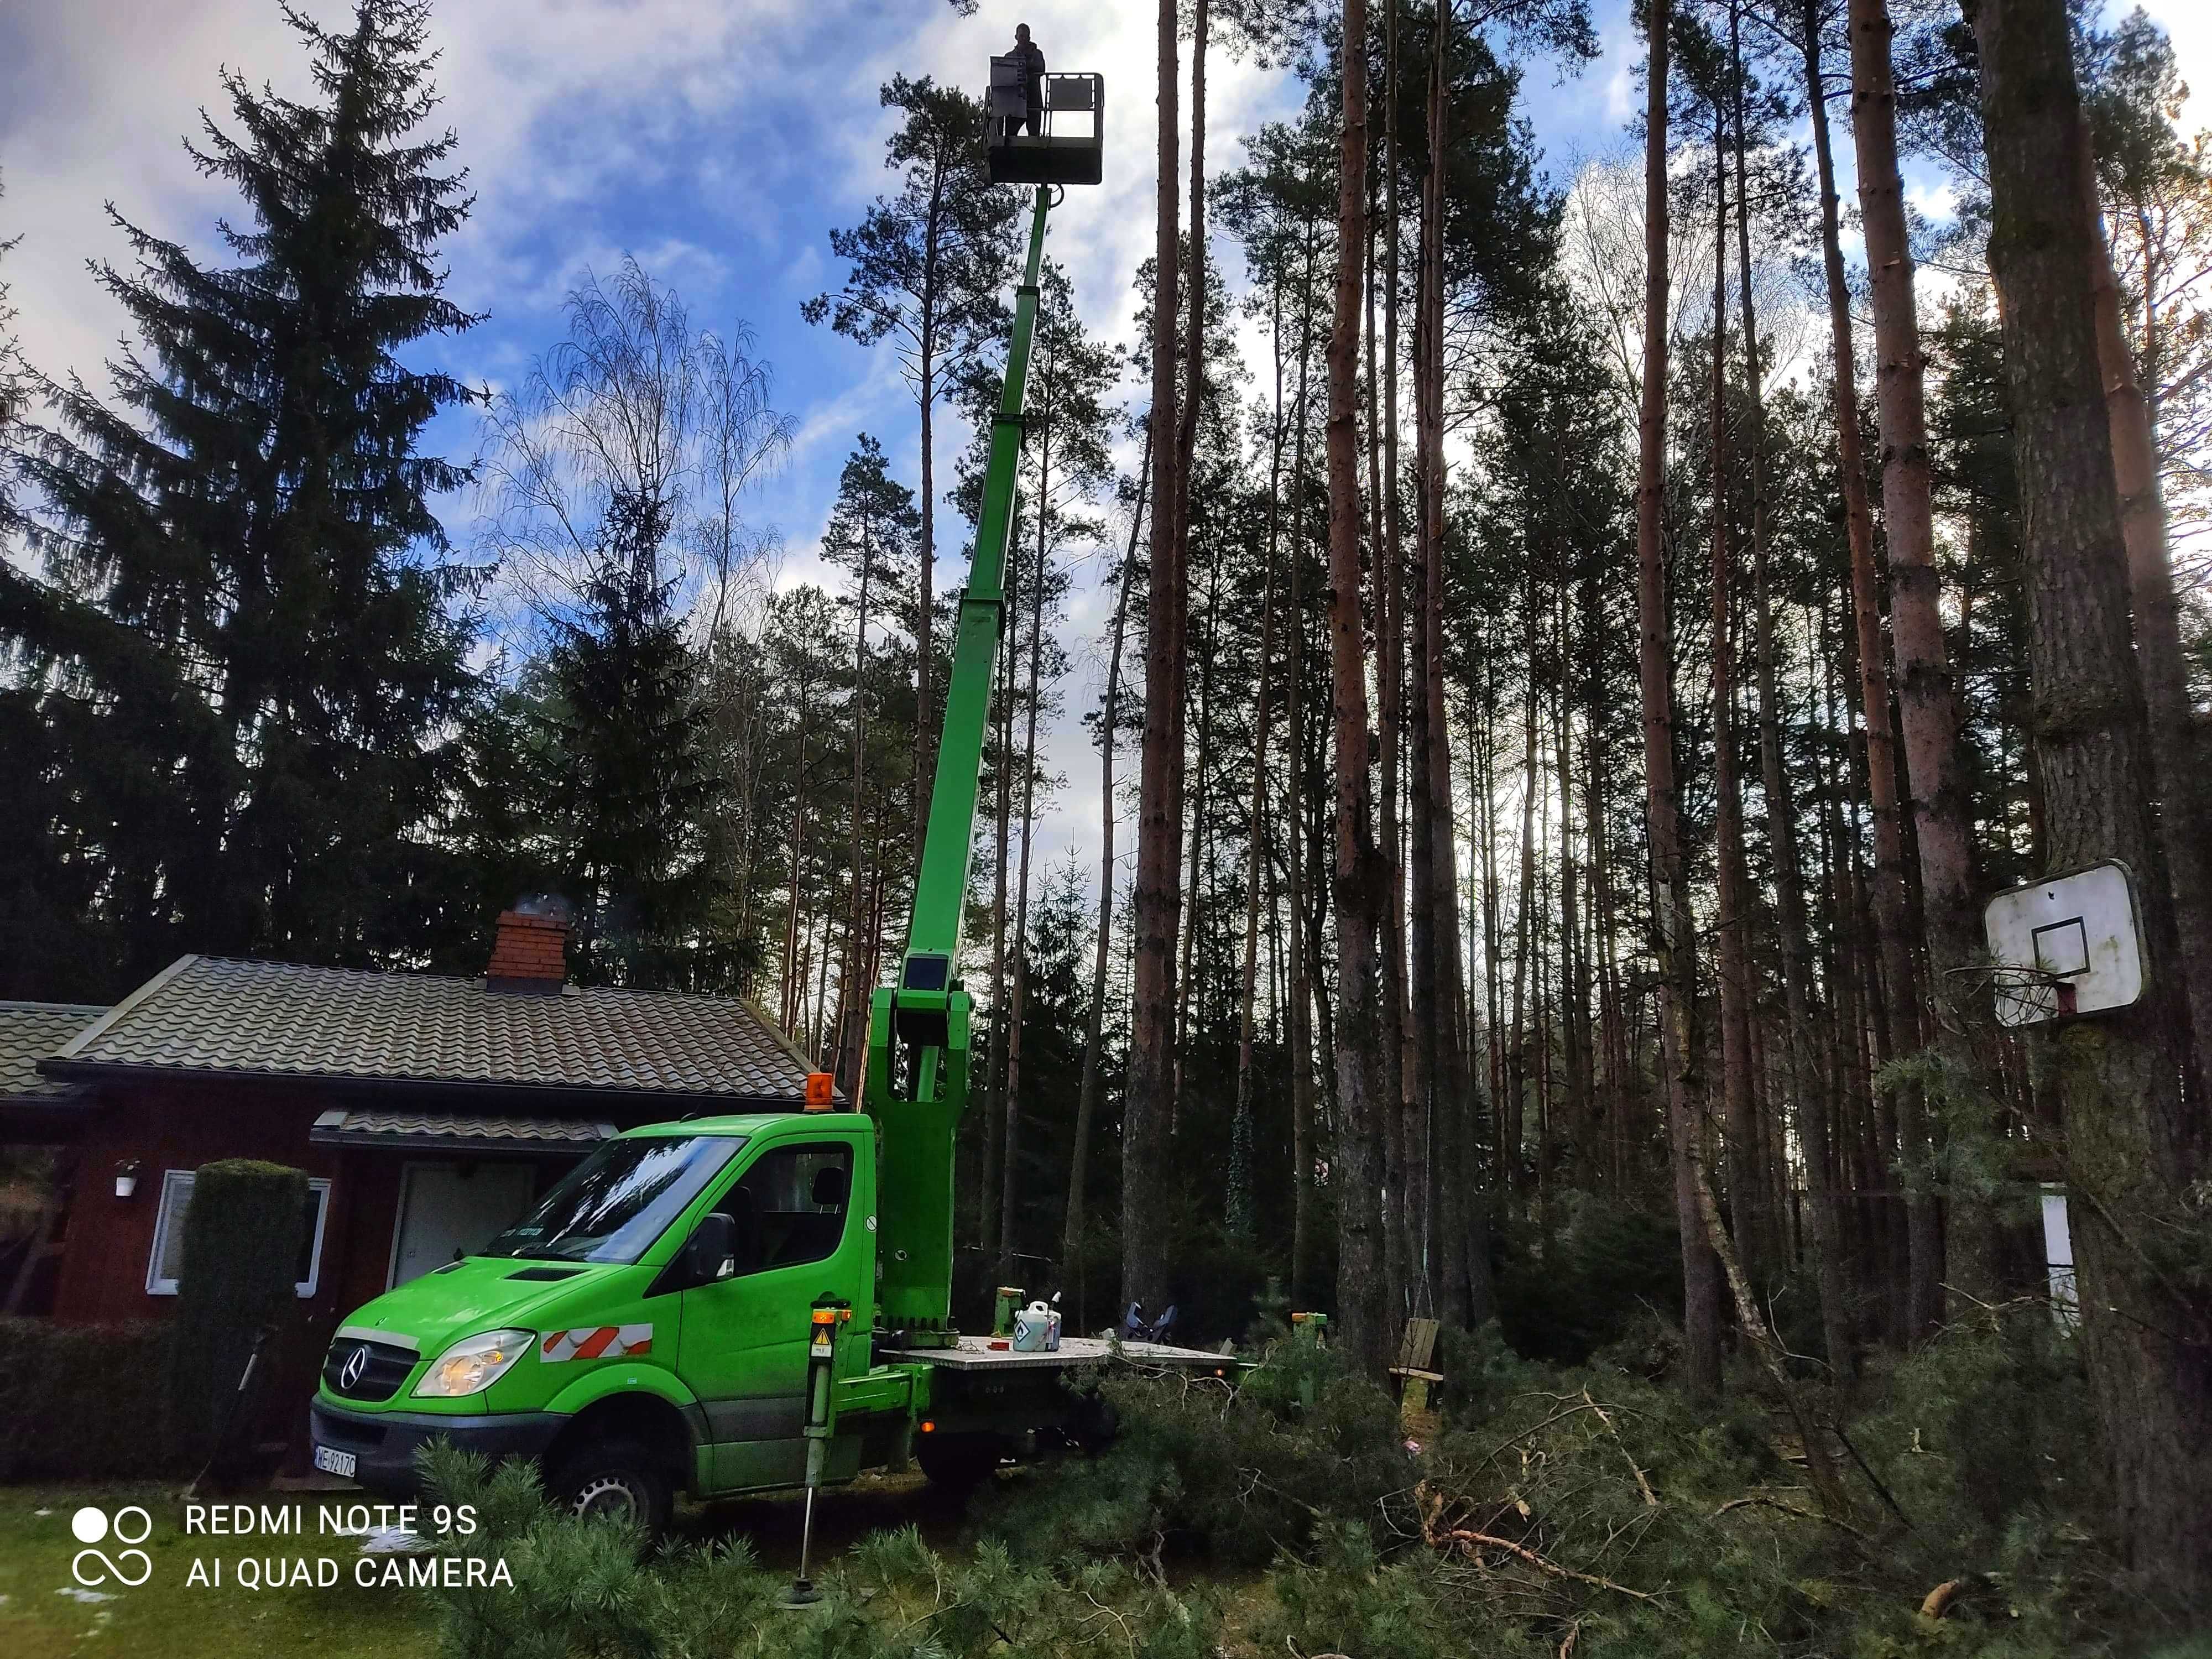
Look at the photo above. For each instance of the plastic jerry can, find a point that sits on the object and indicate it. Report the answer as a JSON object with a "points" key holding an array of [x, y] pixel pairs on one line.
{"points": [[1036, 1329]]}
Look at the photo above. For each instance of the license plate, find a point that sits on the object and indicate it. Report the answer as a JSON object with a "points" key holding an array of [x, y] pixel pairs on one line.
{"points": [[336, 1462]]}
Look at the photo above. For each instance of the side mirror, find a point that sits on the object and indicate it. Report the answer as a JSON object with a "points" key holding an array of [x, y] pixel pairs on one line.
{"points": [[711, 1253]]}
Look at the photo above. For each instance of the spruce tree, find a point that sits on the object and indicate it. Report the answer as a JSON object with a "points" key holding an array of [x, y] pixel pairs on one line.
{"points": [[630, 789], [43, 893], [254, 632], [14, 384]]}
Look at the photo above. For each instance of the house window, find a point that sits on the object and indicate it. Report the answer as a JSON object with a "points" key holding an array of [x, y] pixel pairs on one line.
{"points": [[167, 1265]]}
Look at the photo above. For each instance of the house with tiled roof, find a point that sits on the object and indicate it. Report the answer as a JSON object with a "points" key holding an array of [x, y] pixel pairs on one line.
{"points": [[427, 1111]]}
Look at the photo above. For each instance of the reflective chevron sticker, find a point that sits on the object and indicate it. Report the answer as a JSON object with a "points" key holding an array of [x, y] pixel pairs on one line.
{"points": [[596, 1342]]}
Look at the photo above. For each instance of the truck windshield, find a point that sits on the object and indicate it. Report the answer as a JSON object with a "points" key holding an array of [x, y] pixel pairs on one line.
{"points": [[612, 1206]]}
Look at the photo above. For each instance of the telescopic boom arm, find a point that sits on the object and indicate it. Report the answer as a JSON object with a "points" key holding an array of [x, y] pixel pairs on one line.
{"points": [[918, 1030]]}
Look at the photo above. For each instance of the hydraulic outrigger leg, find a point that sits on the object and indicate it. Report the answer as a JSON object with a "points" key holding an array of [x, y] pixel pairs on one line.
{"points": [[916, 1084]]}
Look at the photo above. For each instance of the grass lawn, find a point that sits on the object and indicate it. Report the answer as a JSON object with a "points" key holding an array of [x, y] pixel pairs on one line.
{"points": [[44, 1614]]}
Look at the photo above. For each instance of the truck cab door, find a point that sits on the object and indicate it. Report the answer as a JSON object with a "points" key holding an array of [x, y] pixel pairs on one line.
{"points": [[744, 1344]]}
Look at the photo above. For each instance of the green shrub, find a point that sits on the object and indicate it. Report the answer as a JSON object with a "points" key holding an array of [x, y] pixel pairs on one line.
{"points": [[1985, 1440], [1609, 1267], [47, 1373], [1238, 1477], [1480, 1373], [1350, 1598], [578, 1589], [241, 1241], [581, 1591]]}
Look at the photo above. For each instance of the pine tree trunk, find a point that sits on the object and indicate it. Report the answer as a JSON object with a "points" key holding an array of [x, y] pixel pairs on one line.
{"points": [[2133, 1148], [1424, 1136], [816, 1032], [1402, 1139], [2185, 800], [1423, 1063], [794, 974], [1186, 444], [1305, 1199], [1086, 1099], [1610, 1100], [1145, 1156], [1462, 1218], [1195, 939], [1011, 1174], [1195, 284], [924, 778], [1895, 1023], [852, 994], [1242, 1217], [1484, 752], [994, 1095], [1804, 1074], [1513, 1115], [1673, 931], [1574, 988], [1356, 1172], [1927, 708], [1732, 919]]}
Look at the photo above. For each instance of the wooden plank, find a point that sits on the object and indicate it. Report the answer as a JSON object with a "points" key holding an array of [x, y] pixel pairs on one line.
{"points": [[1419, 1345]]}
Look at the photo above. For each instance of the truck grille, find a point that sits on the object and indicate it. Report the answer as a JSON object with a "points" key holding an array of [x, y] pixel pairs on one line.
{"points": [[383, 1367]]}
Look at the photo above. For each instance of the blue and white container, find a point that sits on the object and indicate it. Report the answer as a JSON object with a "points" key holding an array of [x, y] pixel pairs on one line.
{"points": [[1036, 1329]]}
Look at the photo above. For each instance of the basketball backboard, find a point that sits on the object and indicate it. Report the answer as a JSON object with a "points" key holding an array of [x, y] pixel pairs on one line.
{"points": [[2065, 945]]}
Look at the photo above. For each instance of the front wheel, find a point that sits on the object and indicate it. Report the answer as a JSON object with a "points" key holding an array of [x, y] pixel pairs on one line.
{"points": [[618, 1480]]}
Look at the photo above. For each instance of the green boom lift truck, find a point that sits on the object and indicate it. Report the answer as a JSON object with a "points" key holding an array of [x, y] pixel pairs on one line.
{"points": [[740, 1303]]}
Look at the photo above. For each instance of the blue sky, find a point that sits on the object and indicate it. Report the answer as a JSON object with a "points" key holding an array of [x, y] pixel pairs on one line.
{"points": [[717, 140]]}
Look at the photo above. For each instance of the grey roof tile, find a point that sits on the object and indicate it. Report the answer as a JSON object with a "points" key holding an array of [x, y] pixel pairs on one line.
{"points": [[29, 1031], [460, 1126], [268, 1019]]}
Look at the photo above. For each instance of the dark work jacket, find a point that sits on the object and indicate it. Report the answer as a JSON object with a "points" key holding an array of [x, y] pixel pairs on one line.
{"points": [[1032, 62]]}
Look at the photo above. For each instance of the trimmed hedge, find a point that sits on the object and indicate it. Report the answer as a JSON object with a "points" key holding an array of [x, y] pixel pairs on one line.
{"points": [[82, 1402], [241, 1240]]}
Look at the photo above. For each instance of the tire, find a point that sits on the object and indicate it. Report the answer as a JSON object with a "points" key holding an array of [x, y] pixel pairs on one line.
{"points": [[957, 1462], [619, 1480]]}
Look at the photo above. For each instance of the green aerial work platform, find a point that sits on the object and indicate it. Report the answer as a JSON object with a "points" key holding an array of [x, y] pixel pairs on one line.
{"points": [[744, 1303], [1068, 147], [917, 1081]]}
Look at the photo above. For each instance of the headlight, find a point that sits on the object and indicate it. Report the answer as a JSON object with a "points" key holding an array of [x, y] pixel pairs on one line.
{"points": [[472, 1364]]}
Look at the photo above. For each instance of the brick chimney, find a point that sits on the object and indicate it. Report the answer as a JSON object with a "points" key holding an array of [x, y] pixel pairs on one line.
{"points": [[530, 953]]}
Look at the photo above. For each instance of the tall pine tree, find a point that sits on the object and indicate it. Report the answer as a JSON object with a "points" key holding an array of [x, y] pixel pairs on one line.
{"points": [[250, 636]]}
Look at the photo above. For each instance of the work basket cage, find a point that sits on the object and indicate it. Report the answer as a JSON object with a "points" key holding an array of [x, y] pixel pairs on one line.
{"points": [[1067, 148]]}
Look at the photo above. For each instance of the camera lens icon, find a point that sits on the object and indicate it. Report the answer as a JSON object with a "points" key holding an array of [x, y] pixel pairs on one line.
{"points": [[131, 1525]]}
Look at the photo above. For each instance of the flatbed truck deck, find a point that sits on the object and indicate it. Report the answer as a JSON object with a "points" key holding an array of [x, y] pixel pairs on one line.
{"points": [[1075, 1353]]}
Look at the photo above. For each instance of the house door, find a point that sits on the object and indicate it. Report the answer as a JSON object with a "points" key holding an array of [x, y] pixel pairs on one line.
{"points": [[448, 1209]]}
